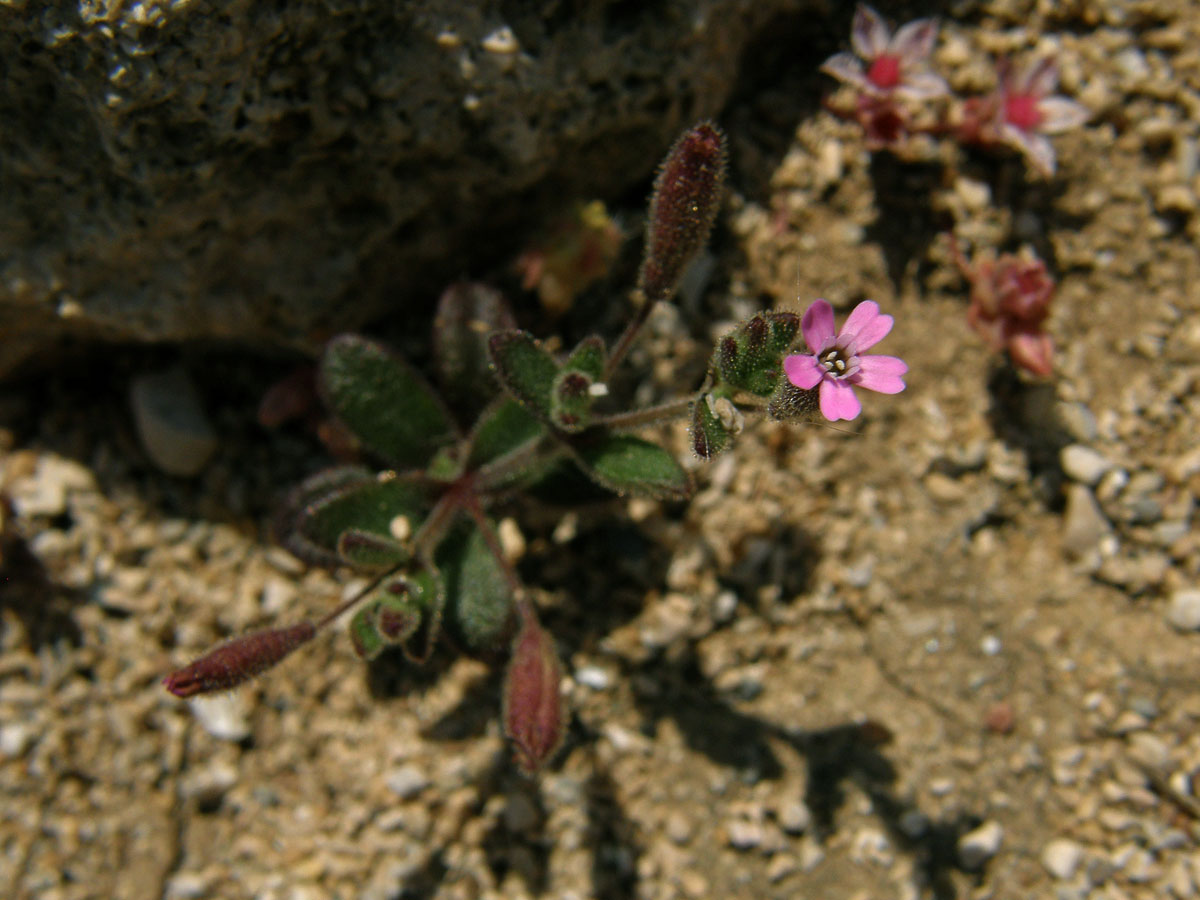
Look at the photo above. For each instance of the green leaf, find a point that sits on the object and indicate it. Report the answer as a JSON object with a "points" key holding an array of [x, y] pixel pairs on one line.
{"points": [[503, 427], [364, 634], [630, 465], [371, 507], [427, 589], [588, 357], [709, 434], [525, 369], [404, 611], [383, 401], [294, 509], [366, 550], [479, 604]]}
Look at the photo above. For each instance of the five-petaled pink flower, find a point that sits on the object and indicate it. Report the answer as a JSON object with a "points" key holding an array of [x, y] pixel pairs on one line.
{"points": [[896, 65], [837, 362], [1022, 111]]}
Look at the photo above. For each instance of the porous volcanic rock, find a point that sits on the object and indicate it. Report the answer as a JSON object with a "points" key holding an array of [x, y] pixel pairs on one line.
{"points": [[272, 172]]}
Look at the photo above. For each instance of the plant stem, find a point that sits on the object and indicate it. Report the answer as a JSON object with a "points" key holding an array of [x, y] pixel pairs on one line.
{"points": [[651, 415], [628, 336]]}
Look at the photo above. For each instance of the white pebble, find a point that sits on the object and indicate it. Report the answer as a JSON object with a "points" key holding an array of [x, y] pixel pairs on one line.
{"points": [[224, 716], [1083, 464], [976, 847], [1184, 610], [1061, 858], [592, 676], [406, 781], [502, 40]]}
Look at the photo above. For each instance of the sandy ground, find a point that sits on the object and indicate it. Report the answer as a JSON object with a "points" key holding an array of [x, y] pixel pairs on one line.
{"points": [[949, 651]]}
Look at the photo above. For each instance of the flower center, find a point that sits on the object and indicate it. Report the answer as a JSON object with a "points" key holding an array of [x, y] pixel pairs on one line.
{"points": [[838, 363], [884, 71], [1022, 111]]}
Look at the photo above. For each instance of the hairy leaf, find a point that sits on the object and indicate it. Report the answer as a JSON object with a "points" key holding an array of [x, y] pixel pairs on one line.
{"points": [[479, 604], [525, 369], [383, 401], [631, 465]]}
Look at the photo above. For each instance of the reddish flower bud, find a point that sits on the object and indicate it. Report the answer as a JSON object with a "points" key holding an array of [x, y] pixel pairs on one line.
{"points": [[683, 207], [238, 661], [534, 713]]}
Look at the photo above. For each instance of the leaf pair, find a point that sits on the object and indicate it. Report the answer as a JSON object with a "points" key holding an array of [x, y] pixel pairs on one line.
{"points": [[560, 395]]}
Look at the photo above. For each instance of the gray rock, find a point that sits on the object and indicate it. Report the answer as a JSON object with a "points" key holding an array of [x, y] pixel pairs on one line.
{"points": [[1083, 522], [976, 847], [1184, 610], [1083, 464], [172, 425], [171, 173]]}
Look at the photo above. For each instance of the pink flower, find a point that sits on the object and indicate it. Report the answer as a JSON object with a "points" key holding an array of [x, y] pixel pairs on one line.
{"points": [[896, 65], [1022, 111], [837, 362], [1010, 301]]}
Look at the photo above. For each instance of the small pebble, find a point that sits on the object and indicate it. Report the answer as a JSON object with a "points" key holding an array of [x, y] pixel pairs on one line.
{"points": [[976, 847], [592, 676], [1183, 610], [502, 40], [224, 716], [1061, 857], [1083, 464], [744, 835], [209, 785], [406, 781], [1083, 522], [171, 423], [794, 817]]}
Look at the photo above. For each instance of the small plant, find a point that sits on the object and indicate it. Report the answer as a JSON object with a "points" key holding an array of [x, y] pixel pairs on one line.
{"points": [[510, 417]]}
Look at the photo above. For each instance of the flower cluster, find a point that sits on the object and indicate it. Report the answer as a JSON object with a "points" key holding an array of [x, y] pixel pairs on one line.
{"points": [[1010, 301], [893, 83]]}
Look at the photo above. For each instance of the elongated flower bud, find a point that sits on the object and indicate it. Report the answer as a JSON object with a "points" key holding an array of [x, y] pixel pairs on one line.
{"points": [[534, 715], [238, 661], [683, 207]]}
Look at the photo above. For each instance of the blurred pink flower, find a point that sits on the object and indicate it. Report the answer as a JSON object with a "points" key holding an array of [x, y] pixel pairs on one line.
{"points": [[1010, 301], [836, 361], [897, 65], [1022, 111]]}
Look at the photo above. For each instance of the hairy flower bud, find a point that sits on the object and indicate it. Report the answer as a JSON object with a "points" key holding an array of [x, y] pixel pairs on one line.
{"points": [[683, 207], [534, 714], [238, 661]]}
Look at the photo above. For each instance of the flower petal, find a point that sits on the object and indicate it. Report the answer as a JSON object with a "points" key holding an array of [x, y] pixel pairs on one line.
{"points": [[1033, 352], [1041, 78], [803, 371], [918, 86], [817, 325], [914, 41], [881, 373], [1061, 114], [869, 34], [866, 326], [1037, 148], [845, 67], [838, 400]]}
